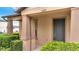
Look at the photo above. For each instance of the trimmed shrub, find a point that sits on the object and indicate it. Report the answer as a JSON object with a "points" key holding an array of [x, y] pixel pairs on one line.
{"points": [[53, 46], [60, 46], [16, 33], [5, 49], [16, 45], [6, 40], [5, 34], [14, 37]]}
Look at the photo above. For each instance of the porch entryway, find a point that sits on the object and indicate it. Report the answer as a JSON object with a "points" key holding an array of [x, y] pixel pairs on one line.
{"points": [[46, 27]]}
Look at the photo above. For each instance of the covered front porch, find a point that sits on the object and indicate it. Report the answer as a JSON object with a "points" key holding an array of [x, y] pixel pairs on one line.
{"points": [[38, 28]]}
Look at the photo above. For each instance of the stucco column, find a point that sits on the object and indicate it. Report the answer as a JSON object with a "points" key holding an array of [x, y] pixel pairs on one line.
{"points": [[34, 40], [10, 26], [67, 28], [25, 33], [20, 27], [74, 30]]}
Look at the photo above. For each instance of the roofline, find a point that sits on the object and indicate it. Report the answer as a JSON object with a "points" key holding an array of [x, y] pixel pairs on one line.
{"points": [[20, 9], [14, 15], [19, 12]]}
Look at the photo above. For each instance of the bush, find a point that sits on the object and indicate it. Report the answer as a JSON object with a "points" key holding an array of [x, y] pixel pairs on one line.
{"points": [[5, 40], [5, 49], [16, 45], [60, 46], [14, 37], [16, 33]]}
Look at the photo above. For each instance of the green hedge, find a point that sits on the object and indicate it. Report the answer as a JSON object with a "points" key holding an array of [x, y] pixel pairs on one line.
{"points": [[5, 40], [16, 45], [60, 46], [16, 33], [10, 42], [5, 49], [14, 37]]}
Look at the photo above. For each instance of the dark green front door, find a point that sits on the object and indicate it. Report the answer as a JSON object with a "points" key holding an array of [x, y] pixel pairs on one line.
{"points": [[59, 29]]}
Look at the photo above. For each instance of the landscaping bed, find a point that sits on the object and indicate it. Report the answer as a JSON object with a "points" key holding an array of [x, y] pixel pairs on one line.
{"points": [[60, 46]]}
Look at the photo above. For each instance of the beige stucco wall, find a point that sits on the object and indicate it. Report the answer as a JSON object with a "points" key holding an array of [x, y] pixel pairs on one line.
{"points": [[74, 36], [44, 31], [45, 27]]}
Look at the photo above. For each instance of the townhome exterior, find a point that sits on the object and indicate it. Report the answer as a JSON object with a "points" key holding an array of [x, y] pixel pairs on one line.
{"points": [[39, 25]]}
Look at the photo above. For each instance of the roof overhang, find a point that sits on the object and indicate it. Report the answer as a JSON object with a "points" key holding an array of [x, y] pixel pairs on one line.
{"points": [[51, 12], [14, 15], [20, 9]]}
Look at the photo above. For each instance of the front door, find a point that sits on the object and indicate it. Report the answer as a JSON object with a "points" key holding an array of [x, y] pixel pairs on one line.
{"points": [[59, 29]]}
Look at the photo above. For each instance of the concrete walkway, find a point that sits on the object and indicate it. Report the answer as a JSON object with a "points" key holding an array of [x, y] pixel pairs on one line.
{"points": [[37, 49]]}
